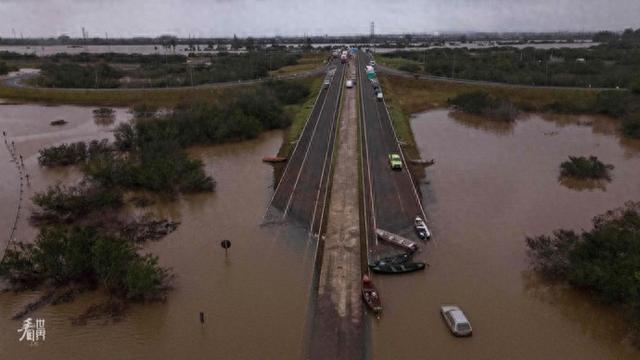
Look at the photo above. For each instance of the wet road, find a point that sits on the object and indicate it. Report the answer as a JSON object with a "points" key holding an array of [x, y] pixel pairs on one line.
{"points": [[302, 190], [390, 199]]}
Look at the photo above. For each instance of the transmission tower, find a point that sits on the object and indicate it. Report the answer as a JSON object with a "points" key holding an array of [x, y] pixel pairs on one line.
{"points": [[372, 32]]}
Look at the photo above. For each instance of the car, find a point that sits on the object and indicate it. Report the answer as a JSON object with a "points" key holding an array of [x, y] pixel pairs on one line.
{"points": [[327, 82], [375, 84], [456, 320], [395, 161], [349, 84], [379, 96], [372, 63]]}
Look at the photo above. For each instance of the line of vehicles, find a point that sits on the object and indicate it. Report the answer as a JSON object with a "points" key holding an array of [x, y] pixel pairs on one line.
{"points": [[371, 76], [453, 316]]}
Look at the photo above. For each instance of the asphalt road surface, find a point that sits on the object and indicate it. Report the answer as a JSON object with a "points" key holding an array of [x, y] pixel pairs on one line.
{"points": [[391, 201], [302, 191]]}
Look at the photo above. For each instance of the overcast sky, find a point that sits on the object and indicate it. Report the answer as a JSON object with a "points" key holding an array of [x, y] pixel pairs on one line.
{"points": [[126, 18]]}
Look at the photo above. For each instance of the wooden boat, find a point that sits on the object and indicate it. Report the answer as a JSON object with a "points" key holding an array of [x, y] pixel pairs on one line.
{"points": [[392, 260], [274, 159], [421, 228], [371, 295], [397, 240], [398, 269]]}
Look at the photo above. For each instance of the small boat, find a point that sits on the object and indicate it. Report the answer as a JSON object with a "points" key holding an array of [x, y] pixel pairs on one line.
{"points": [[398, 269], [397, 240], [370, 295], [421, 228], [422, 162], [274, 159], [392, 260]]}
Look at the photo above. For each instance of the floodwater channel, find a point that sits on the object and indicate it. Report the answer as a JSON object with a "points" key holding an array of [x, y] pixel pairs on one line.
{"points": [[494, 184], [254, 299]]}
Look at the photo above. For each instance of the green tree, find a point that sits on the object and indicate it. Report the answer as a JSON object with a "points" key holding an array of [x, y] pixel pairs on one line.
{"points": [[144, 279], [111, 261]]}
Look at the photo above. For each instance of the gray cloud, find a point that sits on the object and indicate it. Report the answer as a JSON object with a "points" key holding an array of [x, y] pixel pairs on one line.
{"points": [[296, 17]]}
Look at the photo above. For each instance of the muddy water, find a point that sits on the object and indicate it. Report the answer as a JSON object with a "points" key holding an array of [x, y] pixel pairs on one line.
{"points": [[492, 186], [254, 299]]}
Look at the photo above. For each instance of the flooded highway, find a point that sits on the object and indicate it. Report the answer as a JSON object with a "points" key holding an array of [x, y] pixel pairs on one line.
{"points": [[492, 185], [254, 300]]}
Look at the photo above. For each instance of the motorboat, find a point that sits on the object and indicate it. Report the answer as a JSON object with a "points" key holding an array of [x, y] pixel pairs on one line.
{"points": [[397, 240], [398, 269], [421, 228]]}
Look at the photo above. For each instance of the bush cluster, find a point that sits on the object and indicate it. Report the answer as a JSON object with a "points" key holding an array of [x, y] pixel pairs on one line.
{"points": [[631, 126], [288, 92], [581, 167], [481, 103], [72, 75], [604, 260], [160, 167], [63, 204], [73, 254], [4, 68], [73, 153], [94, 70]]}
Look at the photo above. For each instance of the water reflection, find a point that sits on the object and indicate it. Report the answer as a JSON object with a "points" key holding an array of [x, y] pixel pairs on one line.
{"points": [[573, 304], [599, 124], [104, 116], [584, 184], [496, 127]]}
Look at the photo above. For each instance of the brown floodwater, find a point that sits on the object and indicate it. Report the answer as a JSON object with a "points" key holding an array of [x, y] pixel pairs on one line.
{"points": [[255, 299], [492, 186]]}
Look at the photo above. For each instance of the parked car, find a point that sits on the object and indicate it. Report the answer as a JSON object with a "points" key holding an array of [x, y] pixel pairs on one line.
{"points": [[456, 320], [349, 84], [395, 161], [372, 63], [327, 82], [379, 96]]}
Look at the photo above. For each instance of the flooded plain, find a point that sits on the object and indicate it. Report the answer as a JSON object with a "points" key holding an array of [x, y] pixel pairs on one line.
{"points": [[493, 185], [254, 299]]}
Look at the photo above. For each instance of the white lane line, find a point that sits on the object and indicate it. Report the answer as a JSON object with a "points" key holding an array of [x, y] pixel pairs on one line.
{"points": [[306, 154], [286, 168], [333, 132]]}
